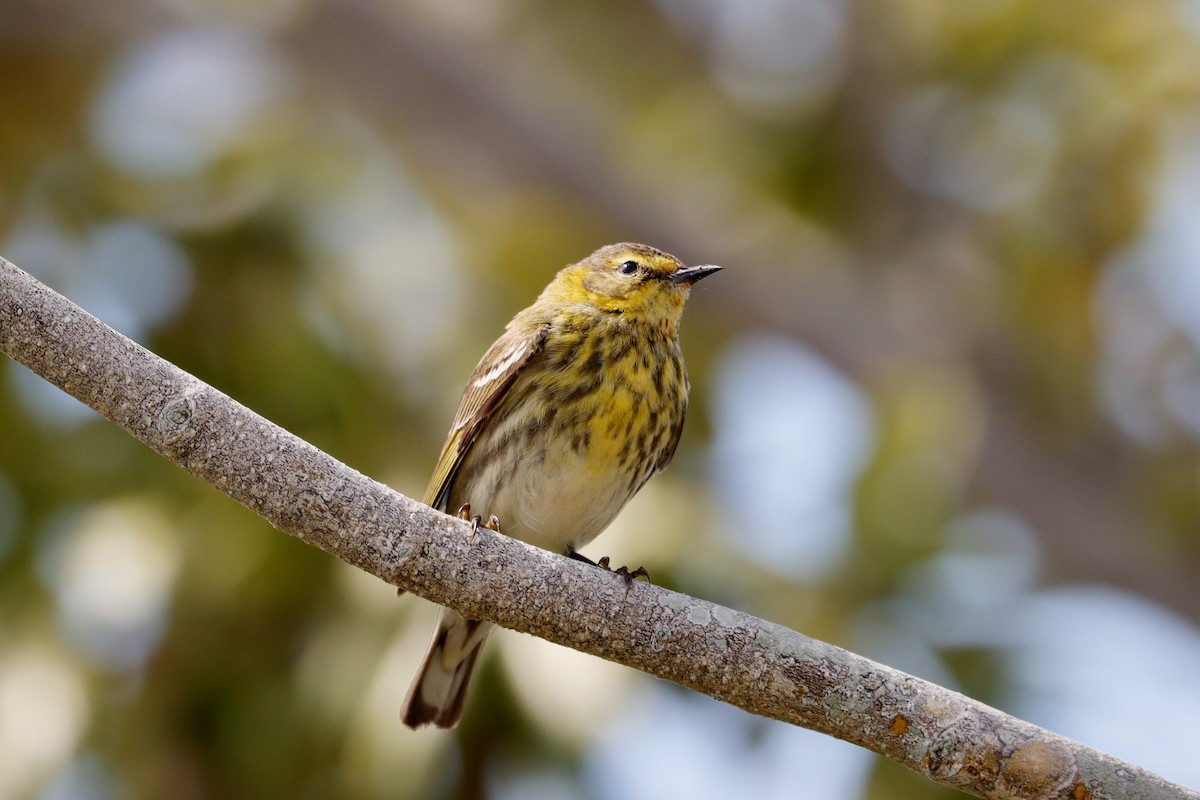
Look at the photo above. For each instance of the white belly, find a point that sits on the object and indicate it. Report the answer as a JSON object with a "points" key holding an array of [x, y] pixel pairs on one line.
{"points": [[560, 505]]}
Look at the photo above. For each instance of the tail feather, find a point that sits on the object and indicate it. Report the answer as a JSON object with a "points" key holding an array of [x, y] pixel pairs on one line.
{"points": [[439, 690]]}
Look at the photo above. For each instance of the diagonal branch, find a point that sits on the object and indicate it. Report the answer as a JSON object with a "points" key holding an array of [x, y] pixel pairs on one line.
{"points": [[761, 667]]}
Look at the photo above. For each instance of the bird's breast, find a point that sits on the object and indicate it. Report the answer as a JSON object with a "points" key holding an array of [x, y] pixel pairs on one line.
{"points": [[578, 438]]}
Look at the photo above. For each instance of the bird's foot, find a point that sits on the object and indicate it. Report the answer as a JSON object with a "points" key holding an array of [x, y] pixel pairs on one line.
{"points": [[629, 575], [623, 571], [493, 523]]}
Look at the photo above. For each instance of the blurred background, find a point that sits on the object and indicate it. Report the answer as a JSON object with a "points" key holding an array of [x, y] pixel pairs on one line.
{"points": [[945, 406]]}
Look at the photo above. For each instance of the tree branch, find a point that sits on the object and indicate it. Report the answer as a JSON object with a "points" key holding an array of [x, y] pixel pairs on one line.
{"points": [[761, 667]]}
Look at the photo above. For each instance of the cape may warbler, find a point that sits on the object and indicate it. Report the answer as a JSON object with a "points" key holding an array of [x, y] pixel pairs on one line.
{"points": [[566, 416]]}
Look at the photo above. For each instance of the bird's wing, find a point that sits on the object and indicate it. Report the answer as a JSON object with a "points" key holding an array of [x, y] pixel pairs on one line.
{"points": [[486, 388]]}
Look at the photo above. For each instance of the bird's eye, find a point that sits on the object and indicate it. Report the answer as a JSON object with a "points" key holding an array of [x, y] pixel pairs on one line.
{"points": [[629, 267]]}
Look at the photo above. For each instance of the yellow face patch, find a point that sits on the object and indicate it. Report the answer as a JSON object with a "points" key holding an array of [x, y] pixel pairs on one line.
{"points": [[632, 280]]}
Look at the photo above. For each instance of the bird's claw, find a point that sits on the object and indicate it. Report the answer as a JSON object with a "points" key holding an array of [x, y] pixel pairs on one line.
{"points": [[464, 512], [629, 575], [493, 523]]}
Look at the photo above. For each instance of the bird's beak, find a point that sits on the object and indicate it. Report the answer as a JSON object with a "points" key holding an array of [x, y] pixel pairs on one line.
{"points": [[689, 275]]}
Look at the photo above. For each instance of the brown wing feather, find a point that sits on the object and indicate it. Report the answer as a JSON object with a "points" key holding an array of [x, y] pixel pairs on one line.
{"points": [[486, 387]]}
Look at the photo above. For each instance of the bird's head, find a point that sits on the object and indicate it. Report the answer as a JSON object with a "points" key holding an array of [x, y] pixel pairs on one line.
{"points": [[635, 280]]}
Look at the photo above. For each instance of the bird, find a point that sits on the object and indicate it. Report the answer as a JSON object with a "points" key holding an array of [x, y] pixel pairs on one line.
{"points": [[567, 415]]}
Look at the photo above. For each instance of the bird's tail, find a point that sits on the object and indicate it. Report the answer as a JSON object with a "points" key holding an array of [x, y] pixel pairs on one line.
{"points": [[439, 690]]}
